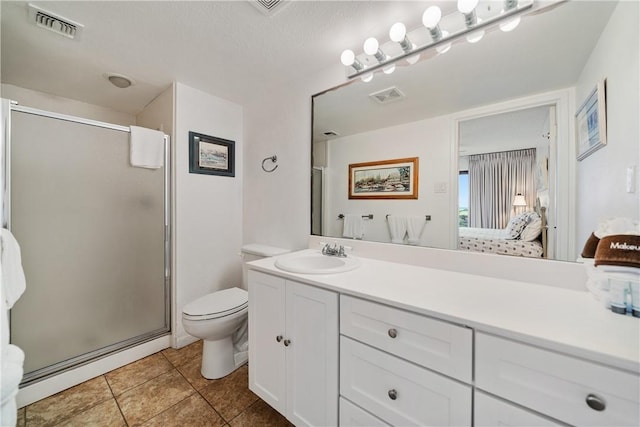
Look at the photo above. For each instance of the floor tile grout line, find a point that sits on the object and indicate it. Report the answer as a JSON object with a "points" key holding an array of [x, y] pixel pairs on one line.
{"points": [[198, 391], [68, 417], [116, 401]]}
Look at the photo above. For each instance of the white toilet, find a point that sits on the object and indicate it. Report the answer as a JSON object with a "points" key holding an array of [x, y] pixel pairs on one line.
{"points": [[220, 320]]}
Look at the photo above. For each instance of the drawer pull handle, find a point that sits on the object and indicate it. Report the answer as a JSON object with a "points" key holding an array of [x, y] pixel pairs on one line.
{"points": [[393, 394], [287, 342], [596, 403], [279, 338], [392, 333]]}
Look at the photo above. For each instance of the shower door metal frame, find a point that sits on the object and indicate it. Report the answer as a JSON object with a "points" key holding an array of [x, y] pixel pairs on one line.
{"points": [[7, 107]]}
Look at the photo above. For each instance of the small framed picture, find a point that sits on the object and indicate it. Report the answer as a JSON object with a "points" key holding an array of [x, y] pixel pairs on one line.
{"points": [[385, 179], [210, 155], [591, 122]]}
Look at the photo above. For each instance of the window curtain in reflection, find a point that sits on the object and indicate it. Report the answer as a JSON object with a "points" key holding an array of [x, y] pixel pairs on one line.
{"points": [[494, 181]]}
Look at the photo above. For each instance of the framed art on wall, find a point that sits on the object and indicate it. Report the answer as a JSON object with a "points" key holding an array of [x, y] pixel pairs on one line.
{"points": [[385, 179], [211, 155], [591, 122]]}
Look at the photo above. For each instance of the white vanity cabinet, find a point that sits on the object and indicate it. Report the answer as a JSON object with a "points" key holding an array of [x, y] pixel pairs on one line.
{"points": [[293, 348], [566, 388], [438, 349], [490, 411], [404, 368]]}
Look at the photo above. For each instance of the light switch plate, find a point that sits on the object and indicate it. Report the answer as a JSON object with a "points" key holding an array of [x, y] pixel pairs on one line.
{"points": [[631, 179]]}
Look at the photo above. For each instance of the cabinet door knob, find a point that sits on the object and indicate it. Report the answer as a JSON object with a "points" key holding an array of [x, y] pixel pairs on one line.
{"points": [[595, 402], [393, 394], [392, 333], [287, 342], [279, 338]]}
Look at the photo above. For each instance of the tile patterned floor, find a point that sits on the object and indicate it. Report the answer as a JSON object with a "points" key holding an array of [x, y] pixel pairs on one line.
{"points": [[164, 389]]}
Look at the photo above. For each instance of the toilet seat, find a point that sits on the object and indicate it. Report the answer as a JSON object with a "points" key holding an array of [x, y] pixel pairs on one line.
{"points": [[217, 304]]}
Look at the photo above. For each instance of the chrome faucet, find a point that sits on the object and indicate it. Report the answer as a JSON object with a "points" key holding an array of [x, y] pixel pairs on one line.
{"points": [[334, 250]]}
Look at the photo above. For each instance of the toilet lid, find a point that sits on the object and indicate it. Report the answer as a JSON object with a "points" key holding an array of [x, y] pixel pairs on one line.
{"points": [[218, 303]]}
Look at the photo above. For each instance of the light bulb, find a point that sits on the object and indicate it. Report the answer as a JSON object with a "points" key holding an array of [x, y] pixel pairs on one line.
{"points": [[348, 57], [367, 77], [510, 24], [475, 37], [467, 6], [431, 17], [397, 32], [444, 48], [389, 69], [371, 46]]}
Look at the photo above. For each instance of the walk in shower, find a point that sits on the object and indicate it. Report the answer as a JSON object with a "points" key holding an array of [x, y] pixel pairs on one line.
{"points": [[94, 235]]}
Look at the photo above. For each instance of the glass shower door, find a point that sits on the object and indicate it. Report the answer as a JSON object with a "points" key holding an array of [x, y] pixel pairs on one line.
{"points": [[92, 234]]}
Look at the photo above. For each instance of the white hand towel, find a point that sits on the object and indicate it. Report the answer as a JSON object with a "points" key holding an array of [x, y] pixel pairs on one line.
{"points": [[13, 281], [415, 225], [353, 226], [397, 228], [146, 148], [613, 226]]}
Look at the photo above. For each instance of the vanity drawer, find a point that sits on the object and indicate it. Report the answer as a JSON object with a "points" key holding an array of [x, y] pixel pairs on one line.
{"points": [[354, 416], [491, 412], [557, 385], [435, 344], [399, 392]]}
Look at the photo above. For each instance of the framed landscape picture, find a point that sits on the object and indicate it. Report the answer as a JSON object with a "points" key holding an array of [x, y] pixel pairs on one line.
{"points": [[385, 179], [210, 155]]}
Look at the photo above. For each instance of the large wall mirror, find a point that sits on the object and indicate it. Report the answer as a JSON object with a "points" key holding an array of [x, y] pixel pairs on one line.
{"points": [[509, 95]]}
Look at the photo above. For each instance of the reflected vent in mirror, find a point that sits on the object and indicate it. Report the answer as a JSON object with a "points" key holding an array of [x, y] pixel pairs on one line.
{"points": [[387, 95], [269, 7], [50, 21]]}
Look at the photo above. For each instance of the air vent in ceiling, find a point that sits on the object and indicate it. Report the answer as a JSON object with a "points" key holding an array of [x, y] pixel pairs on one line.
{"points": [[52, 22], [269, 7], [387, 95]]}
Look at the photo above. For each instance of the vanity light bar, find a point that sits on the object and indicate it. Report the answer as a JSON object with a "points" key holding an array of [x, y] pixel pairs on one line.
{"points": [[509, 13]]}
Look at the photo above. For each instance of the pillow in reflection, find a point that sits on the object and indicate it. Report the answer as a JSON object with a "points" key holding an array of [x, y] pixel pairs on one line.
{"points": [[532, 230], [516, 225]]}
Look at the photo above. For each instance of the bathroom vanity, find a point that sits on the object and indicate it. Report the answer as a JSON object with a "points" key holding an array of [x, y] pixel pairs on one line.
{"points": [[394, 344]]}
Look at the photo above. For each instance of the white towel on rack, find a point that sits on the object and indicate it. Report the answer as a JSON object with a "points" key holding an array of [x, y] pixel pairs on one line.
{"points": [[415, 225], [13, 281], [146, 148], [353, 226], [397, 228]]}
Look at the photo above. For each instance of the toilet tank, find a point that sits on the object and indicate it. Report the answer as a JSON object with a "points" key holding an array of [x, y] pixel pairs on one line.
{"points": [[256, 251]]}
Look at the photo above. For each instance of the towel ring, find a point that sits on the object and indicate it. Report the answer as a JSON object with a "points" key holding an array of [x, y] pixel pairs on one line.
{"points": [[274, 159]]}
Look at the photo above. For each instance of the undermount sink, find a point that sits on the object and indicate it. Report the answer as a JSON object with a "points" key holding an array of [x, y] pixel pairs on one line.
{"points": [[316, 263]]}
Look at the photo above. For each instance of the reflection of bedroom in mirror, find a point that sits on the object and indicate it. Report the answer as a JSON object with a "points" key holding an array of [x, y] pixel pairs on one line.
{"points": [[503, 185]]}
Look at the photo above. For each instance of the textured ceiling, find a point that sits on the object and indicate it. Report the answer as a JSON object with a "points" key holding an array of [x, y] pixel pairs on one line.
{"points": [[228, 49]]}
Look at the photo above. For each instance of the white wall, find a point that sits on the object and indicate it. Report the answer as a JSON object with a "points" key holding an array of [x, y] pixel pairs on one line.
{"points": [[208, 214], [601, 177], [44, 101], [278, 122], [429, 140]]}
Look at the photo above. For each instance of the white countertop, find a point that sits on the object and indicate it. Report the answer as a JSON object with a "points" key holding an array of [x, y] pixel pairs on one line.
{"points": [[568, 321]]}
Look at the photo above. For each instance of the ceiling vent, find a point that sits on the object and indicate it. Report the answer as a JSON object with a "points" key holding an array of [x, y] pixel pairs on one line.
{"points": [[52, 22], [387, 95], [269, 7]]}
